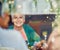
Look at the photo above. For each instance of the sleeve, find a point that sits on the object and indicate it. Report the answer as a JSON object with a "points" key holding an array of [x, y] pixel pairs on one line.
{"points": [[33, 36], [12, 39], [36, 37]]}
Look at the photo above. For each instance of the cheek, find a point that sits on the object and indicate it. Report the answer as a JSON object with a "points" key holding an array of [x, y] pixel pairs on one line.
{"points": [[24, 20], [13, 20], [21, 20]]}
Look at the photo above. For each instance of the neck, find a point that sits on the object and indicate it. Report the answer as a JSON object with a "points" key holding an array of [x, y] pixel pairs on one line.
{"points": [[18, 28], [21, 29]]}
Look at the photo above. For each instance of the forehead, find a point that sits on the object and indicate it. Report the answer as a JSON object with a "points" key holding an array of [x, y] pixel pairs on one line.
{"points": [[18, 15]]}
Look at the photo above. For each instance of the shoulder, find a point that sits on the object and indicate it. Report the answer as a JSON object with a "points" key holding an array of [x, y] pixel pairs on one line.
{"points": [[9, 32], [27, 26]]}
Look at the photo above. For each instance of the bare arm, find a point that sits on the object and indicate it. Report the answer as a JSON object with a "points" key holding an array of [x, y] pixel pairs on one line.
{"points": [[4, 22]]}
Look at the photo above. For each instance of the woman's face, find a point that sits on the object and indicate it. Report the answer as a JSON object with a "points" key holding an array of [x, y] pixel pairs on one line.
{"points": [[18, 20]]}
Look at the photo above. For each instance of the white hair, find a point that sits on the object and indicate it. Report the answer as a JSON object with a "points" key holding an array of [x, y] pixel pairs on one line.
{"points": [[14, 13]]}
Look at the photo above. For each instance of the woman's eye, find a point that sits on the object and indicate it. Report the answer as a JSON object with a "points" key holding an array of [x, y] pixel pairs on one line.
{"points": [[20, 17], [15, 17]]}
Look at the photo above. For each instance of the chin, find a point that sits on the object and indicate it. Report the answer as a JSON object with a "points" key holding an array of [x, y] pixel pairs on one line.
{"points": [[18, 25]]}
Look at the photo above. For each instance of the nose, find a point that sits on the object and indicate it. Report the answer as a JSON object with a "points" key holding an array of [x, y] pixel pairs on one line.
{"points": [[18, 19]]}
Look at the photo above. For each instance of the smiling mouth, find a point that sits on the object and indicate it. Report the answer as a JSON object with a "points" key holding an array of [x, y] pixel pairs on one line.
{"points": [[18, 22]]}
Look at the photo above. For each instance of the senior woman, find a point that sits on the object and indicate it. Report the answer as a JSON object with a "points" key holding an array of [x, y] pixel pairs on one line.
{"points": [[26, 30]]}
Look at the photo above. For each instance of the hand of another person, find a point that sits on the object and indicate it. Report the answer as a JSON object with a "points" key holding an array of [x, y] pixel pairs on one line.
{"points": [[41, 45]]}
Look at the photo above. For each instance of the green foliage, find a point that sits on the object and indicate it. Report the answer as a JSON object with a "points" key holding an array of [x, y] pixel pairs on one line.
{"points": [[35, 1]]}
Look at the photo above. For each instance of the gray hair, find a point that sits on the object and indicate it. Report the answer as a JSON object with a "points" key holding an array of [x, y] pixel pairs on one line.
{"points": [[13, 13]]}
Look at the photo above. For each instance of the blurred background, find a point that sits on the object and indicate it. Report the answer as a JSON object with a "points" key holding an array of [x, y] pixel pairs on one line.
{"points": [[42, 15]]}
